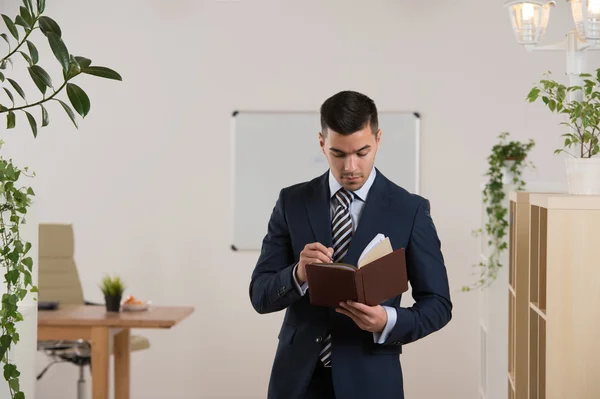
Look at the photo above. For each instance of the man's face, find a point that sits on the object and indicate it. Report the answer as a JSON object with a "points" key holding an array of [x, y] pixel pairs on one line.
{"points": [[351, 157]]}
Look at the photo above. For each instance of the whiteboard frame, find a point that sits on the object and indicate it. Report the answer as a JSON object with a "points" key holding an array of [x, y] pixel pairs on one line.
{"points": [[417, 152]]}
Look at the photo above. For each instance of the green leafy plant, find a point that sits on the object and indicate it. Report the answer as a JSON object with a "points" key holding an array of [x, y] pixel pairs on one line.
{"points": [[505, 156], [583, 115], [113, 289], [23, 30], [14, 202], [112, 286]]}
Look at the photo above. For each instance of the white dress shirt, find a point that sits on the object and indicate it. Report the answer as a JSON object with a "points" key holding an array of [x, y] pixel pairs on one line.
{"points": [[356, 207]]}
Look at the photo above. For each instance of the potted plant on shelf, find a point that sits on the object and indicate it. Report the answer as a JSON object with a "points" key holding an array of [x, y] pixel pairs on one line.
{"points": [[112, 288], [24, 33], [581, 141], [506, 163]]}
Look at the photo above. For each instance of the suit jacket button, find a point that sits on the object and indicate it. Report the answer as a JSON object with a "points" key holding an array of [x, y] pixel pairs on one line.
{"points": [[318, 340]]}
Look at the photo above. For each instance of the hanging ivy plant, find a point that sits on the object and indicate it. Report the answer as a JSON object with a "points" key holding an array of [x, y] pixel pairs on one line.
{"points": [[17, 267], [508, 157]]}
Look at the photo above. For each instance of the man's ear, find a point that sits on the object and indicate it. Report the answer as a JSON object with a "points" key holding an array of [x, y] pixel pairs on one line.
{"points": [[379, 136], [322, 142]]}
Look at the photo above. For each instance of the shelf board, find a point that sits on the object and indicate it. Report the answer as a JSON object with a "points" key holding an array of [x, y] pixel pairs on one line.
{"points": [[536, 309], [566, 201], [523, 196]]}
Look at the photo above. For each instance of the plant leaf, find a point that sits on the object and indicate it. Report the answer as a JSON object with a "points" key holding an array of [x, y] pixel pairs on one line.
{"points": [[69, 111], [26, 15], [28, 4], [74, 68], [32, 123], [35, 57], [14, 384], [9, 371], [11, 26], [79, 99], [102, 72], [41, 5], [10, 120], [10, 95], [83, 62], [27, 57], [533, 94], [18, 88], [27, 279], [45, 122], [1, 77], [48, 25], [42, 74], [19, 20], [59, 49], [5, 37], [37, 80], [28, 262]]}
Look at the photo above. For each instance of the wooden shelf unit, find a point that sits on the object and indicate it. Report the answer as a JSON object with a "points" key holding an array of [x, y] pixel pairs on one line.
{"points": [[554, 291]]}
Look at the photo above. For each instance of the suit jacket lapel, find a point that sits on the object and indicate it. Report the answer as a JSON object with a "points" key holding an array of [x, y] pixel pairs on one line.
{"points": [[318, 208], [369, 224]]}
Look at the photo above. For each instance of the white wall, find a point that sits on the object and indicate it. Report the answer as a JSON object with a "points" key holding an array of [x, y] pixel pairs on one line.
{"points": [[145, 179]]}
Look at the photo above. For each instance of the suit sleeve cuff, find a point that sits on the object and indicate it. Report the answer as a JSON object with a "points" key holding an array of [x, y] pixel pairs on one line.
{"points": [[300, 288], [381, 337]]}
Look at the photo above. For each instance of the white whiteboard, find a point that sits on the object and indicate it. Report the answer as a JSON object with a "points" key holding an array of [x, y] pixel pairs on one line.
{"points": [[273, 150]]}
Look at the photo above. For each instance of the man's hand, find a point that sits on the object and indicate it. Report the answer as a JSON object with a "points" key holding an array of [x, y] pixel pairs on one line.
{"points": [[368, 318], [312, 253]]}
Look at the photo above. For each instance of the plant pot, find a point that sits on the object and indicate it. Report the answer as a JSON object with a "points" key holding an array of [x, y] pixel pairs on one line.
{"points": [[583, 176], [113, 303]]}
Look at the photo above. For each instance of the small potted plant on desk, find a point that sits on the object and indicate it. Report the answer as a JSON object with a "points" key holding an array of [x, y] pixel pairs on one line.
{"points": [[113, 289]]}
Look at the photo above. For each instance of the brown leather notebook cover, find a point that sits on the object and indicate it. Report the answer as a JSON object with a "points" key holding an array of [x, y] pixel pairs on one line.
{"points": [[372, 284]]}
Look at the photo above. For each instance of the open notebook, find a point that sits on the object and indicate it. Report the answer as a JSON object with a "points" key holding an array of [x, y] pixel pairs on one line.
{"points": [[379, 276]]}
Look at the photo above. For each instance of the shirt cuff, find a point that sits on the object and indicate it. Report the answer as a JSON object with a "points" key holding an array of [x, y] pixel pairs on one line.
{"points": [[380, 338], [301, 288]]}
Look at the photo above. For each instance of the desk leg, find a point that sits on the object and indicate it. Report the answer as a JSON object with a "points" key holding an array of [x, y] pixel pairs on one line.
{"points": [[121, 362], [100, 357]]}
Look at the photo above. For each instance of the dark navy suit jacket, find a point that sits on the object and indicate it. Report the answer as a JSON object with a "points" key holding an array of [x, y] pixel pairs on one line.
{"points": [[361, 368]]}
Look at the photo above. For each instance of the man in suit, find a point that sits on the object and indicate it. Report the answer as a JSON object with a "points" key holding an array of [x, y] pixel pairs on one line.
{"points": [[351, 352]]}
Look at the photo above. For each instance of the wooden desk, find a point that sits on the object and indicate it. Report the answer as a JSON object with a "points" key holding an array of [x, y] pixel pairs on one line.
{"points": [[94, 324]]}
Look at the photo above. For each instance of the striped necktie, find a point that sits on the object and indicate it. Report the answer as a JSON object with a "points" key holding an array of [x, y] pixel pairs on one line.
{"points": [[341, 226]]}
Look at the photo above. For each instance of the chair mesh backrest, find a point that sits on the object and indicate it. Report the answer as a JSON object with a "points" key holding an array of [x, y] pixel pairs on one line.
{"points": [[58, 279]]}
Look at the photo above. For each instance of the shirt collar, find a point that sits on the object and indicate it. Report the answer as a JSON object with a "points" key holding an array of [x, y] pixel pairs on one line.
{"points": [[362, 193]]}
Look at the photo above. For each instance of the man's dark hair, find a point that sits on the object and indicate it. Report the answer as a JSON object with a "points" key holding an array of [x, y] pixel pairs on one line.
{"points": [[348, 112]]}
